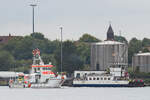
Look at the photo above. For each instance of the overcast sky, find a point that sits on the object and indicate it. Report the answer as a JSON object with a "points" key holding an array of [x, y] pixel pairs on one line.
{"points": [[77, 17]]}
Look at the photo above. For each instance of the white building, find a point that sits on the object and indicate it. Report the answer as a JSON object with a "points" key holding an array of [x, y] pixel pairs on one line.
{"points": [[141, 62], [108, 53]]}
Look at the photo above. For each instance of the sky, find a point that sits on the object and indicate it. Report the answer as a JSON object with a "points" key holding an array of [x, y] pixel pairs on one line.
{"points": [[131, 18]]}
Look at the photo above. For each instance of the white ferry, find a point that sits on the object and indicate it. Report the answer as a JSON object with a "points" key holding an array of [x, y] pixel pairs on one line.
{"points": [[114, 77]]}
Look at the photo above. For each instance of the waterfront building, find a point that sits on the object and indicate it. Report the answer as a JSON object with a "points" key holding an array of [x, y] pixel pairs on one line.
{"points": [[108, 53], [141, 62]]}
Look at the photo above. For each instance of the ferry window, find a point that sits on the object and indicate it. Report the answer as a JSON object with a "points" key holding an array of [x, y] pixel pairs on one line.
{"points": [[94, 78], [97, 78], [90, 78], [78, 75], [108, 78], [101, 78], [105, 78]]}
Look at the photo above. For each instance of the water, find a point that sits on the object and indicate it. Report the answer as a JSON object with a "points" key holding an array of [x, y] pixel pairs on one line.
{"points": [[70, 93]]}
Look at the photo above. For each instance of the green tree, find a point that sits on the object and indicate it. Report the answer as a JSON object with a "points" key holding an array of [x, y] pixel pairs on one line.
{"points": [[37, 35], [22, 66], [120, 39], [146, 42], [145, 50], [71, 60], [88, 38], [83, 50], [6, 61], [135, 46]]}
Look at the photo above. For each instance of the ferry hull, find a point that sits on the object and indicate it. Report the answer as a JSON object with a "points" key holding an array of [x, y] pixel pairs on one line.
{"points": [[101, 85]]}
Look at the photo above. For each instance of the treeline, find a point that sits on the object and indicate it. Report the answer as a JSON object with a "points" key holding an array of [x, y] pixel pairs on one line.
{"points": [[16, 55]]}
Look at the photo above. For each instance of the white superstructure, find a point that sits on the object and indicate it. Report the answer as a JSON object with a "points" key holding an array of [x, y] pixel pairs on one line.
{"points": [[41, 74], [113, 77]]}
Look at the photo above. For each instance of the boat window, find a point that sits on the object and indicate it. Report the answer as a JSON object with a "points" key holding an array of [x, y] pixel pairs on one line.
{"points": [[105, 78], [97, 78], [43, 68], [35, 70], [38, 68], [108, 78], [94, 78], [90, 78], [48, 68], [78, 75], [101, 78]]}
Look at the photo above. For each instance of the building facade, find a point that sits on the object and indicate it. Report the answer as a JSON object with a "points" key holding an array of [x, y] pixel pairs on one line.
{"points": [[141, 62], [108, 53]]}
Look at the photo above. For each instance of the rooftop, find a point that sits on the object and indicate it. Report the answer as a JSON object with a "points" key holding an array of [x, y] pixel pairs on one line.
{"points": [[143, 54], [108, 43]]}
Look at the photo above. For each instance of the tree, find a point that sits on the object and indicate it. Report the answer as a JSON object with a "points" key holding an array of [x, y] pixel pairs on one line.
{"points": [[22, 65], [120, 39], [71, 60], [135, 46], [88, 38], [6, 61], [48, 58], [83, 50], [37, 35], [145, 49], [146, 42]]}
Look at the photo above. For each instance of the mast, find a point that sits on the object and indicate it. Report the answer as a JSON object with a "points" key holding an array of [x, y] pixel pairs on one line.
{"points": [[61, 28]]}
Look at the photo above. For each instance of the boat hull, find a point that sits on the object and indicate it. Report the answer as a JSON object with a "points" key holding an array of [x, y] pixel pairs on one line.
{"points": [[100, 85], [53, 83], [17, 86], [79, 83]]}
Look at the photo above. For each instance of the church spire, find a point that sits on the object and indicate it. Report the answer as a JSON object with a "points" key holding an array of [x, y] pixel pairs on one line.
{"points": [[110, 33]]}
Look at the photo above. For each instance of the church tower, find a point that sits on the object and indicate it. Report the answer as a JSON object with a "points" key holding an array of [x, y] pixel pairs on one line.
{"points": [[110, 33]]}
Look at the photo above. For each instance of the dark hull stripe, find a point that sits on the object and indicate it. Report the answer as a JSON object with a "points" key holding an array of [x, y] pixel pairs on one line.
{"points": [[100, 85]]}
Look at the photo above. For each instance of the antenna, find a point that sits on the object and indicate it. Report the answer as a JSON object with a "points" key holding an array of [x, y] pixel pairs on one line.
{"points": [[61, 29]]}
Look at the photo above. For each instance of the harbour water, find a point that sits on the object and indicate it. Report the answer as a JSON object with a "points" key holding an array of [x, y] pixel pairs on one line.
{"points": [[71, 93]]}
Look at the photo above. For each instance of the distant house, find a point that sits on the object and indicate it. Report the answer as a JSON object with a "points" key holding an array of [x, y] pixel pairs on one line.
{"points": [[5, 39]]}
